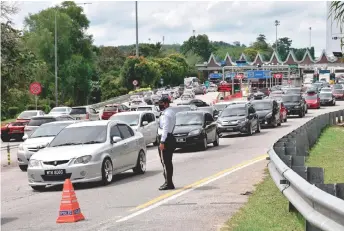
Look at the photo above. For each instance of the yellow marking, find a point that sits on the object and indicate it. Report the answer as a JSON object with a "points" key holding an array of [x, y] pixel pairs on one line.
{"points": [[195, 184]]}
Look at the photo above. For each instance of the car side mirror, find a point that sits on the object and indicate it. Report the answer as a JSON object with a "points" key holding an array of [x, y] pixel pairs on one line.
{"points": [[144, 123], [25, 137], [115, 139]]}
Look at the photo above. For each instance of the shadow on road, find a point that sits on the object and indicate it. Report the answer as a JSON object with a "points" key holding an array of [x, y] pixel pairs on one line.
{"points": [[5, 220], [194, 149]]}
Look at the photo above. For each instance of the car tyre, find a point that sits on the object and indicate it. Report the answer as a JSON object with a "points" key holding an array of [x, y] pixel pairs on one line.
{"points": [[140, 167], [301, 114], [250, 133], [5, 138], [107, 171], [204, 144], [23, 168], [217, 140], [38, 188], [258, 128], [279, 123]]}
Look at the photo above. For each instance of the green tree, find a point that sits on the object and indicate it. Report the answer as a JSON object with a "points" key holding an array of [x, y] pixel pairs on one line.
{"points": [[337, 11], [200, 45], [250, 53], [283, 48]]}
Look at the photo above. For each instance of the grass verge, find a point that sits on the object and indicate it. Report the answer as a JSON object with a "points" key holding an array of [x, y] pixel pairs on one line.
{"points": [[266, 209], [328, 154]]}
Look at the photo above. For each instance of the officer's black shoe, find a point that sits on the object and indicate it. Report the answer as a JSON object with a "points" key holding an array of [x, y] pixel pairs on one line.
{"points": [[162, 186], [167, 187]]}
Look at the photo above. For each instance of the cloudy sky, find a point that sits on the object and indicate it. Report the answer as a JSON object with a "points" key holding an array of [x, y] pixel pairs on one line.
{"points": [[113, 23]]}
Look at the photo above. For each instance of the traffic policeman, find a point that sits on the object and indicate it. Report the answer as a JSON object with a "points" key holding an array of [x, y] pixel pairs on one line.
{"points": [[167, 142]]}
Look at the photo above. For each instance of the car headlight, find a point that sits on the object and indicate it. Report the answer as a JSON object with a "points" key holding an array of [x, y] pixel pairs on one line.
{"points": [[268, 115], [83, 159], [194, 132], [34, 163], [297, 106], [21, 147], [243, 120]]}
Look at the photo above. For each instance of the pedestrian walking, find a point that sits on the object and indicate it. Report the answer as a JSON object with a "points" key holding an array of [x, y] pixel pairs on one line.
{"points": [[167, 142]]}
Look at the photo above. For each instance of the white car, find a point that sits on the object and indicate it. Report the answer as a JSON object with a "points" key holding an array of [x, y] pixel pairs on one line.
{"points": [[150, 108], [140, 121], [39, 139], [89, 151], [190, 92], [60, 111]]}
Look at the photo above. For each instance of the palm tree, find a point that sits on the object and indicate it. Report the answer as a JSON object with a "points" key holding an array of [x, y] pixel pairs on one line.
{"points": [[337, 12]]}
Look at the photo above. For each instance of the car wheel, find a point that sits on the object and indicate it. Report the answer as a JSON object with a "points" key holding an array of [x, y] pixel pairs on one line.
{"points": [[38, 188], [258, 128], [279, 122], [23, 168], [274, 124], [301, 114], [140, 167], [217, 140], [250, 133], [156, 142], [107, 171], [204, 144]]}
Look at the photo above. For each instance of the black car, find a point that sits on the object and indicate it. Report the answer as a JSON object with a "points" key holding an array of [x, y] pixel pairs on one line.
{"points": [[268, 112], [327, 99], [198, 103], [295, 105], [239, 118], [256, 96], [195, 128]]}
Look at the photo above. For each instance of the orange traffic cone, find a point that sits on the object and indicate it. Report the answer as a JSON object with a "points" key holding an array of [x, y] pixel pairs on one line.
{"points": [[69, 208]]}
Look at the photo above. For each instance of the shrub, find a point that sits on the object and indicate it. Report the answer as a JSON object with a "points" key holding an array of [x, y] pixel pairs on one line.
{"points": [[46, 108], [13, 111], [31, 107]]}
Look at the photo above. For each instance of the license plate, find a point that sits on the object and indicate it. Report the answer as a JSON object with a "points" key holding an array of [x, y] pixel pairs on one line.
{"points": [[16, 131], [229, 129], [55, 172], [181, 140]]}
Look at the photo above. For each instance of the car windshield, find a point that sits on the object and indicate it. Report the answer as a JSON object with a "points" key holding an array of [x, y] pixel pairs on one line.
{"points": [[311, 96], [144, 109], [48, 130], [294, 91], [337, 86], [326, 90], [39, 121], [291, 98], [27, 114], [338, 91], [261, 106], [233, 111], [206, 109], [325, 95], [58, 109], [80, 135], [185, 97], [276, 97], [110, 108], [186, 119], [220, 107], [131, 120], [78, 111]]}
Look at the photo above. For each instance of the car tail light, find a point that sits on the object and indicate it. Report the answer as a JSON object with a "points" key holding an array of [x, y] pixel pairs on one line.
{"points": [[87, 116]]}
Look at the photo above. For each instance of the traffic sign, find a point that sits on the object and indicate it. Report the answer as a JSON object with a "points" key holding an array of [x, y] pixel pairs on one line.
{"points": [[258, 74], [161, 81], [135, 82], [35, 88], [239, 76]]}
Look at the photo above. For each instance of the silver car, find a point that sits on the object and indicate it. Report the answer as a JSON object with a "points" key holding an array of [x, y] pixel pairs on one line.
{"points": [[88, 151], [84, 113], [37, 121], [39, 140], [60, 111]]}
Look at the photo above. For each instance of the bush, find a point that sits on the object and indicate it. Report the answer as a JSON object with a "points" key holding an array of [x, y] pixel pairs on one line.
{"points": [[46, 108], [140, 90], [31, 107], [13, 111]]}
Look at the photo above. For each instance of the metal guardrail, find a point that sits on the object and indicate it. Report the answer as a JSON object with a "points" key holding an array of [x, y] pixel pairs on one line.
{"points": [[322, 205]]}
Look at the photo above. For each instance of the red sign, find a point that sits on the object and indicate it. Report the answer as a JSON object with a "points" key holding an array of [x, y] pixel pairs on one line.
{"points": [[35, 88], [278, 76], [289, 81], [135, 82], [239, 76]]}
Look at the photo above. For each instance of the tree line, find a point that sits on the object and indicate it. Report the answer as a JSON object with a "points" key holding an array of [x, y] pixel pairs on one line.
{"points": [[89, 74]]}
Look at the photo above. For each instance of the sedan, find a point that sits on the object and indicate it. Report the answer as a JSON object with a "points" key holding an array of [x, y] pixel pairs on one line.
{"points": [[268, 112], [327, 99], [89, 151], [312, 100], [60, 111], [39, 140], [196, 128]]}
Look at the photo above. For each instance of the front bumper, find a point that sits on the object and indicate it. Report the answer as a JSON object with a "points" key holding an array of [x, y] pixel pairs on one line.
{"points": [[313, 105], [242, 128], [339, 96], [77, 173], [186, 140], [294, 111], [266, 121], [23, 156], [324, 103]]}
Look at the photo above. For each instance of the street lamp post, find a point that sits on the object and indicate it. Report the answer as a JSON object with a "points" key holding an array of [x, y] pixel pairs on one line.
{"points": [[310, 37], [56, 86], [277, 23], [137, 31]]}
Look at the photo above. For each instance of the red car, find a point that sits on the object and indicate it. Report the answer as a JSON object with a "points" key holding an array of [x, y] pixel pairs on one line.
{"points": [[112, 109], [15, 130], [283, 112], [338, 93], [312, 100]]}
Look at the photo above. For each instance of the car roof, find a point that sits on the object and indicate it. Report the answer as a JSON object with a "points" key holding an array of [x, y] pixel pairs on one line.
{"points": [[61, 107], [112, 105], [152, 106], [48, 116], [62, 122], [263, 100], [31, 111], [225, 102], [191, 112], [236, 106], [90, 123], [132, 113]]}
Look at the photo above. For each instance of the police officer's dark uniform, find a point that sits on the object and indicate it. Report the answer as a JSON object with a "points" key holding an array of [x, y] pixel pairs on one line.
{"points": [[167, 142]]}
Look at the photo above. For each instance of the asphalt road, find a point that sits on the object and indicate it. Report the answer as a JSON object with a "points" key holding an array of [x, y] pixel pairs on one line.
{"points": [[209, 187]]}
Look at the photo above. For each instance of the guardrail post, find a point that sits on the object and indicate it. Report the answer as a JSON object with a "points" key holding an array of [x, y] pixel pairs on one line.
{"points": [[340, 191], [8, 154], [339, 114]]}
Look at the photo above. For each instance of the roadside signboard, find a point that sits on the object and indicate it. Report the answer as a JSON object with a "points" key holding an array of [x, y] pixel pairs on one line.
{"points": [[239, 76], [278, 76], [135, 82], [258, 74], [35, 88]]}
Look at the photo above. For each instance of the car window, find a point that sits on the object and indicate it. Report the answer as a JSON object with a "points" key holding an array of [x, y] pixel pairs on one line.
{"points": [[40, 121], [114, 131], [251, 110], [93, 111], [151, 117], [78, 111], [208, 117], [126, 131]]}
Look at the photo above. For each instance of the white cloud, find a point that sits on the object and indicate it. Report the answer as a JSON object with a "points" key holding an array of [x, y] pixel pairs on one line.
{"points": [[113, 23]]}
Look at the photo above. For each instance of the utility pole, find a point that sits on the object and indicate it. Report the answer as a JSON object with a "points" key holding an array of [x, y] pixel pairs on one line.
{"points": [[277, 23], [55, 51], [193, 32], [137, 31], [163, 40], [310, 37]]}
